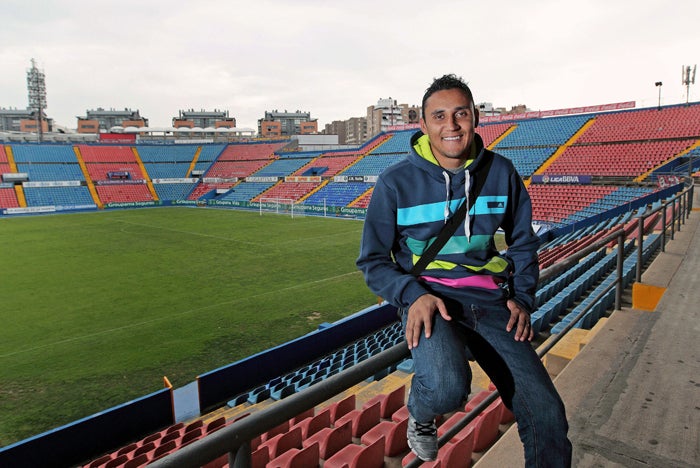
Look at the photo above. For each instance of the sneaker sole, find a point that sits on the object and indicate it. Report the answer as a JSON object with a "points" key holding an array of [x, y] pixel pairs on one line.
{"points": [[418, 455]]}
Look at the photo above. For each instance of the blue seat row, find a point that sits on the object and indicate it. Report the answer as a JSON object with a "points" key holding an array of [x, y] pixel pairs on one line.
{"points": [[353, 353], [599, 307]]}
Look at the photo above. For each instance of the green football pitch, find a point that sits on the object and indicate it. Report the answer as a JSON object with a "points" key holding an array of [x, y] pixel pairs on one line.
{"points": [[97, 307]]}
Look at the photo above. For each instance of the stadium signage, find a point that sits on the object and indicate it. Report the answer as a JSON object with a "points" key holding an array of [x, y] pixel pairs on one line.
{"points": [[175, 181], [303, 179], [120, 182], [186, 202], [262, 179], [562, 179], [65, 183], [132, 204], [668, 180], [31, 209], [343, 179], [219, 180]]}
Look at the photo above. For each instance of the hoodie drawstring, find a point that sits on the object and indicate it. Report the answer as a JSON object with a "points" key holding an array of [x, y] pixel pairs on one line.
{"points": [[446, 212], [467, 186]]}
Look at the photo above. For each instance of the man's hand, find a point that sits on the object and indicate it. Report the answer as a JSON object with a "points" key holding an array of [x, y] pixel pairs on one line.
{"points": [[521, 319], [420, 316]]}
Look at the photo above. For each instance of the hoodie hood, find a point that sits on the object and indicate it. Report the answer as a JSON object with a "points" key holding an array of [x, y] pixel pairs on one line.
{"points": [[423, 157]]}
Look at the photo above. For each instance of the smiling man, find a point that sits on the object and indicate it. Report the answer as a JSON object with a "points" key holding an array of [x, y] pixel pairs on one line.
{"points": [[469, 296]]}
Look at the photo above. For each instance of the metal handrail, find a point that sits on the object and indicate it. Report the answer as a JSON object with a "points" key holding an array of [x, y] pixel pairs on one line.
{"points": [[234, 439], [684, 200]]}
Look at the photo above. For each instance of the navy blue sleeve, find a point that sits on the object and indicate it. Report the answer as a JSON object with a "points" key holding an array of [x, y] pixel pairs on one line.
{"points": [[522, 244], [380, 238]]}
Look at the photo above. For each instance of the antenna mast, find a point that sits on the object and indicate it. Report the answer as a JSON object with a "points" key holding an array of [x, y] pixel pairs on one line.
{"points": [[688, 78]]}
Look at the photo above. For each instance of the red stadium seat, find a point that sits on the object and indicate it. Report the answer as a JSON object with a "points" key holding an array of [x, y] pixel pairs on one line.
{"points": [[342, 407], [362, 420], [280, 443], [487, 423], [331, 440], [312, 425], [394, 434], [306, 457], [389, 403], [358, 456]]}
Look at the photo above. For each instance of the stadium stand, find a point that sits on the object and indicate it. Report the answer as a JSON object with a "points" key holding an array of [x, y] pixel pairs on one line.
{"points": [[363, 426]]}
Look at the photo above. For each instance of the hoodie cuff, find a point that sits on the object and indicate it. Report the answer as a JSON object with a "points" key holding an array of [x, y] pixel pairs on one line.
{"points": [[412, 292]]}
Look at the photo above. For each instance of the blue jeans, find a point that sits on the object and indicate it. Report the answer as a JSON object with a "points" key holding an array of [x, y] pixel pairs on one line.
{"points": [[442, 378]]}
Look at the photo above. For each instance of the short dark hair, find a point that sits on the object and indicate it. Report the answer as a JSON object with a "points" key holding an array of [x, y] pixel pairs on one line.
{"points": [[444, 83]]}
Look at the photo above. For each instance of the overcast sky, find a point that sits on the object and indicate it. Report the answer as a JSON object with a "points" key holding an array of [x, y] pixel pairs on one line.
{"points": [[335, 58]]}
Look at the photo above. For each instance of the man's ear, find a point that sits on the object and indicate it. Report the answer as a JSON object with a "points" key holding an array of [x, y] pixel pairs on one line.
{"points": [[476, 117], [423, 127]]}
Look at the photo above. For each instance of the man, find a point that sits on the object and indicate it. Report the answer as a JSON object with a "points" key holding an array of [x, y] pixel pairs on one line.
{"points": [[470, 294]]}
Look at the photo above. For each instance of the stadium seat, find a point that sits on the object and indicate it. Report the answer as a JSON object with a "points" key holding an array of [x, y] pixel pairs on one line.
{"points": [[280, 443], [313, 424], [400, 414], [116, 462], [389, 403], [301, 416], [306, 457], [331, 440], [191, 436], [137, 462], [164, 449], [486, 430], [147, 449], [476, 399], [215, 425], [358, 456], [259, 458], [99, 461], [280, 429], [342, 407], [127, 449], [362, 419], [394, 433], [452, 420]]}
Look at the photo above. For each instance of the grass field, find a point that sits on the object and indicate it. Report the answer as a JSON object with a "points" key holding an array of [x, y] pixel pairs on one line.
{"points": [[98, 307]]}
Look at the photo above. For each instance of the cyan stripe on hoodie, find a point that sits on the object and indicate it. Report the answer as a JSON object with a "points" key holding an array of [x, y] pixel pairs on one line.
{"points": [[432, 212], [428, 213]]}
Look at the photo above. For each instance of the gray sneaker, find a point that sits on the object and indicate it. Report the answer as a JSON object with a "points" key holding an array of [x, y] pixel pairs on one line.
{"points": [[422, 439]]}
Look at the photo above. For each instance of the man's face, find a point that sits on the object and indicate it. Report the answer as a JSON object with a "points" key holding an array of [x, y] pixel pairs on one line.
{"points": [[449, 123]]}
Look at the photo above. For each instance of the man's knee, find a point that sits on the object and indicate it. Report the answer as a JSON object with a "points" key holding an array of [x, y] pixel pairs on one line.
{"points": [[442, 397]]}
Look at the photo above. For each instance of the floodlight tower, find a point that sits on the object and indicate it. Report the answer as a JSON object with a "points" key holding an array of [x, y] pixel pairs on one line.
{"points": [[36, 85], [688, 77], [658, 85]]}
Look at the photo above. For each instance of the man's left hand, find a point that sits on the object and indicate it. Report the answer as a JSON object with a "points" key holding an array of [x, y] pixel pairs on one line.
{"points": [[520, 319]]}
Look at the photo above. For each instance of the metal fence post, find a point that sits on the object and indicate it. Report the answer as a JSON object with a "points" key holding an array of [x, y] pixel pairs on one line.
{"points": [[640, 245], [664, 207], [620, 257]]}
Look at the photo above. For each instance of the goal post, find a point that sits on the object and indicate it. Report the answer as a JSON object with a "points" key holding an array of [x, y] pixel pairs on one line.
{"points": [[283, 206]]}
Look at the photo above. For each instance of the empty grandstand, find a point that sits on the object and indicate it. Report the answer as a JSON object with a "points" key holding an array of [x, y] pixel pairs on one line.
{"points": [[605, 190]]}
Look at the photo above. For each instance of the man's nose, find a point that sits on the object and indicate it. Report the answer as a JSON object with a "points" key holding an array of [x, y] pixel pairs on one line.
{"points": [[452, 122]]}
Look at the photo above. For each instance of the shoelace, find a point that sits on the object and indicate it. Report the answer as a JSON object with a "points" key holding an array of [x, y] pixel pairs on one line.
{"points": [[425, 429]]}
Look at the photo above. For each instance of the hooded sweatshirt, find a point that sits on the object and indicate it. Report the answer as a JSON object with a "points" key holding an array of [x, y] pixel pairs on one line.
{"points": [[410, 204]]}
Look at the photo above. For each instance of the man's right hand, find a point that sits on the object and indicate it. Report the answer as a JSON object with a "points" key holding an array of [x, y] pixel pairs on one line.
{"points": [[420, 316]]}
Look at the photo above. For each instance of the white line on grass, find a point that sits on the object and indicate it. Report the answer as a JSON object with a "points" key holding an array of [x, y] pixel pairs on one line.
{"points": [[199, 234], [180, 314]]}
